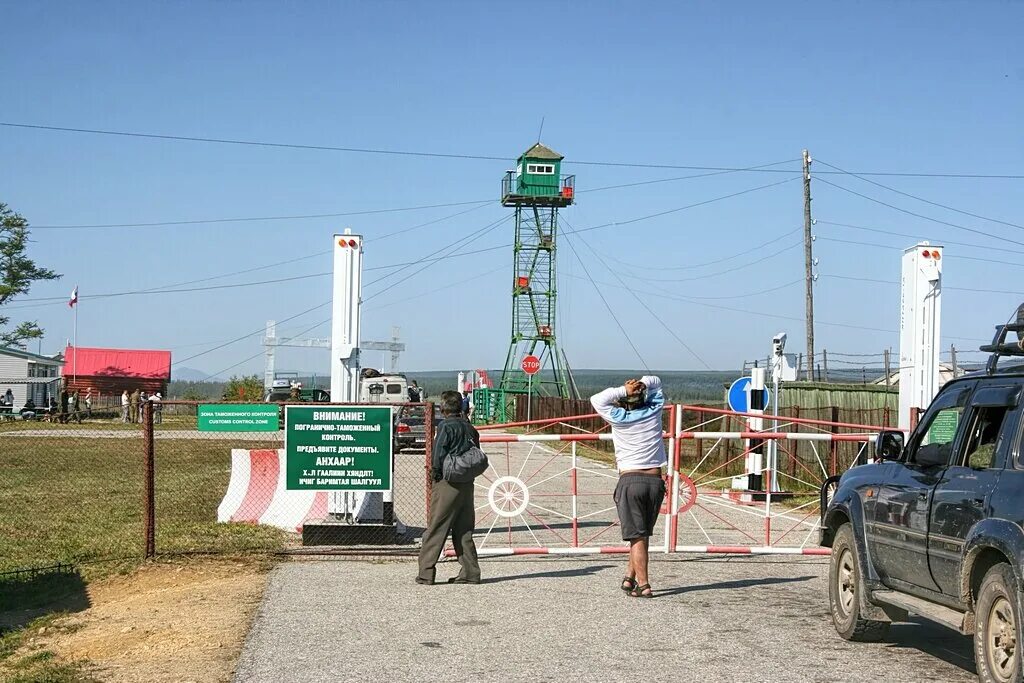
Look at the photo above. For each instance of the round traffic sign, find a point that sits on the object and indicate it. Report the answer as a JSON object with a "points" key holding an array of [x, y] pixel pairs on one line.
{"points": [[739, 396], [531, 365]]}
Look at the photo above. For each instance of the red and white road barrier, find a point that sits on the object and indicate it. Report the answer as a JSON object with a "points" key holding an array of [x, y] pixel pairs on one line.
{"points": [[552, 518], [257, 493]]}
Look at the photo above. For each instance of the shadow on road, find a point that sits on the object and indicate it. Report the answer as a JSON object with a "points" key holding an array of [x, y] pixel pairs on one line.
{"points": [[555, 574], [934, 640], [729, 585]]}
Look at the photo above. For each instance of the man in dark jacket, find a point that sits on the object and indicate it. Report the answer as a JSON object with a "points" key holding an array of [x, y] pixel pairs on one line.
{"points": [[451, 504]]}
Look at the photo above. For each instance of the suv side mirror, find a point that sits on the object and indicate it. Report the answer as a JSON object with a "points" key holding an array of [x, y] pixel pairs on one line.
{"points": [[889, 445]]}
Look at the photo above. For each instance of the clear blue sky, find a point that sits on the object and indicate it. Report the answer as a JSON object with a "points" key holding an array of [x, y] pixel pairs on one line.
{"points": [[869, 86]]}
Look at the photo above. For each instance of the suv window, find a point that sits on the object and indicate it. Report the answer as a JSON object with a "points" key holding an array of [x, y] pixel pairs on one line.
{"points": [[992, 409], [939, 428]]}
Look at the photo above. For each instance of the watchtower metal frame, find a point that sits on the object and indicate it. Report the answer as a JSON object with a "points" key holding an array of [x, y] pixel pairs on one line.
{"points": [[534, 285]]}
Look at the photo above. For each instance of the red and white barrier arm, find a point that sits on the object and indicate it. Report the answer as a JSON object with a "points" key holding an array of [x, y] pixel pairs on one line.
{"points": [[777, 436], [624, 549]]}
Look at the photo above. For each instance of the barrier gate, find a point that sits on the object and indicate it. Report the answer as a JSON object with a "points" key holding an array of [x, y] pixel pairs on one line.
{"points": [[552, 493]]}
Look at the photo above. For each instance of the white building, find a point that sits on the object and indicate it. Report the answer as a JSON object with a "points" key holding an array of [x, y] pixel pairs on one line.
{"points": [[28, 374]]}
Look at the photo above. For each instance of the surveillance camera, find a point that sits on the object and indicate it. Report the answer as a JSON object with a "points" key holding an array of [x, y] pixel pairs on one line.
{"points": [[779, 343]]}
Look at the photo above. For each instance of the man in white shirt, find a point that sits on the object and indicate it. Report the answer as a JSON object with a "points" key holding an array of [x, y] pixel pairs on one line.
{"points": [[634, 412]]}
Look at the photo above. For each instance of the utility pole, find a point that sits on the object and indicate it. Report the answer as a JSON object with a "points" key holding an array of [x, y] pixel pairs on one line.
{"points": [[808, 266]]}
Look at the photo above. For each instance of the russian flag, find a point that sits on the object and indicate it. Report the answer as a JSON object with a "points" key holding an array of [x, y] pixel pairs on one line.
{"points": [[74, 297]]}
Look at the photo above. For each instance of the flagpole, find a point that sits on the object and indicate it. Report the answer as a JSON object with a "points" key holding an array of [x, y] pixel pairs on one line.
{"points": [[74, 361]]}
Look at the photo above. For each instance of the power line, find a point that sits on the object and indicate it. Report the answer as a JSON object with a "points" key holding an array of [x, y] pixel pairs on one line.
{"points": [[614, 224], [611, 312], [477, 157], [727, 270], [706, 263], [917, 237], [643, 303], [260, 353], [890, 247], [685, 177], [922, 199], [984, 290], [203, 221], [918, 215]]}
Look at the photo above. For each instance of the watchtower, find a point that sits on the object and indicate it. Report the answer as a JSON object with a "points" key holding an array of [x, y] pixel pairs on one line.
{"points": [[536, 189]]}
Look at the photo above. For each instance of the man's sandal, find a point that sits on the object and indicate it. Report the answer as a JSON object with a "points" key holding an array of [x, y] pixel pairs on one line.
{"points": [[643, 591], [627, 584]]}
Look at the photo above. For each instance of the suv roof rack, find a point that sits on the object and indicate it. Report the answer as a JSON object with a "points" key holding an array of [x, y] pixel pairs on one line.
{"points": [[1000, 348]]}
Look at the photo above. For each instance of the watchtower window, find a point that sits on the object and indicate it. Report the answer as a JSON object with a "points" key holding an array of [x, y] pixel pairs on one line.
{"points": [[540, 169]]}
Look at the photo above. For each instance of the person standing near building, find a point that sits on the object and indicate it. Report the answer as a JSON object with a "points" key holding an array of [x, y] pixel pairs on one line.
{"points": [[451, 503], [133, 405], [415, 396], [634, 412], [74, 413], [64, 397], [125, 406], [88, 403], [9, 397], [158, 409]]}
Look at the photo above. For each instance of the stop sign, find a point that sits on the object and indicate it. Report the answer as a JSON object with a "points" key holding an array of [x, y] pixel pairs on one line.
{"points": [[531, 365]]}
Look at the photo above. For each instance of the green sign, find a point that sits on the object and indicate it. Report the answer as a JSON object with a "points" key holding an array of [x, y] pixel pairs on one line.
{"points": [[943, 427], [238, 417], [340, 448]]}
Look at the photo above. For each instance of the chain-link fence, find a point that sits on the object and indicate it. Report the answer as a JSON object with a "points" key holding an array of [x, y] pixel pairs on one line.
{"points": [[209, 478]]}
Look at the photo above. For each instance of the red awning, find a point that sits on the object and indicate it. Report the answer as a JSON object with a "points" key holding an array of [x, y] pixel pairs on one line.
{"points": [[87, 362]]}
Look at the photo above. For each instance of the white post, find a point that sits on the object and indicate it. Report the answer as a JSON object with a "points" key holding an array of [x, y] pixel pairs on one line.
{"points": [[270, 343], [74, 361], [348, 273], [345, 318], [755, 458], [529, 396], [920, 318]]}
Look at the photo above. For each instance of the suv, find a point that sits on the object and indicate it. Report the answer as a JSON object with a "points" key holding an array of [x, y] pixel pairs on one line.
{"points": [[934, 526]]}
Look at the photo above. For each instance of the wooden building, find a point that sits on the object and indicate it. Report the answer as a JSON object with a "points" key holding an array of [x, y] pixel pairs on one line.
{"points": [[108, 372], [29, 375]]}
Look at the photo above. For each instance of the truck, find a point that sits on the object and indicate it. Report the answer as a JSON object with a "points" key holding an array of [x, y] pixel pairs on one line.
{"points": [[935, 525]]}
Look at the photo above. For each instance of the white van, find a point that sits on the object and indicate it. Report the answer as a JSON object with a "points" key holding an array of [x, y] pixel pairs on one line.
{"points": [[383, 388]]}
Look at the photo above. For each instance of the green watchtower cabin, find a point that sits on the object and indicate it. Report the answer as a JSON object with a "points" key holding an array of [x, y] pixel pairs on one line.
{"points": [[536, 189], [538, 178]]}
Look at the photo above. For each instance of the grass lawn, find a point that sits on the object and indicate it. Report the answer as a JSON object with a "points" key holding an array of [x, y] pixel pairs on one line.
{"points": [[79, 500]]}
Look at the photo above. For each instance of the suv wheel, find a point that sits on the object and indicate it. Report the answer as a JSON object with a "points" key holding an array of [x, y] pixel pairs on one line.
{"points": [[996, 651], [844, 586]]}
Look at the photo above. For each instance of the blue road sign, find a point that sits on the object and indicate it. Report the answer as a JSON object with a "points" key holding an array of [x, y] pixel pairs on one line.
{"points": [[739, 396]]}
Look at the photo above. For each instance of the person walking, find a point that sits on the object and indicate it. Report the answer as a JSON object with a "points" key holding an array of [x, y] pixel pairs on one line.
{"points": [[634, 412], [451, 503], [125, 406], [133, 404]]}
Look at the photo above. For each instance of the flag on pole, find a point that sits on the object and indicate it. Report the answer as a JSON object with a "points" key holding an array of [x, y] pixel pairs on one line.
{"points": [[74, 297]]}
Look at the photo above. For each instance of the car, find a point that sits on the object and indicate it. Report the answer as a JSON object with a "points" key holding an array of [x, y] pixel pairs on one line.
{"points": [[282, 395], [935, 526], [409, 429]]}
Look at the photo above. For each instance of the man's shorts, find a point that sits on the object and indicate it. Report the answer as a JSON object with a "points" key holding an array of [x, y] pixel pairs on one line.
{"points": [[637, 500]]}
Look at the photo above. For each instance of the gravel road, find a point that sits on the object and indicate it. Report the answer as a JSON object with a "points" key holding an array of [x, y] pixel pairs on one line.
{"points": [[551, 619]]}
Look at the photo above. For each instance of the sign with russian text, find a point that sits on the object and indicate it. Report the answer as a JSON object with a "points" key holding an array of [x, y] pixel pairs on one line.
{"points": [[338, 448], [237, 417]]}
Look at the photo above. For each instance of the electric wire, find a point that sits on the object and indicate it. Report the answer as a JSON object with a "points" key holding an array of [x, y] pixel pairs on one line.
{"points": [[706, 263], [611, 312], [945, 242], [477, 157], [643, 303], [890, 247], [922, 199], [204, 221], [917, 215]]}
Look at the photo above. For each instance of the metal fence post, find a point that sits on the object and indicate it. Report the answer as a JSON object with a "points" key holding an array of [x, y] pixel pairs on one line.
{"points": [[149, 484], [428, 450]]}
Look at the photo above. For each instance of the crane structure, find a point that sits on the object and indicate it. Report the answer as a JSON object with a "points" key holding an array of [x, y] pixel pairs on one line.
{"points": [[536, 189], [271, 342]]}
